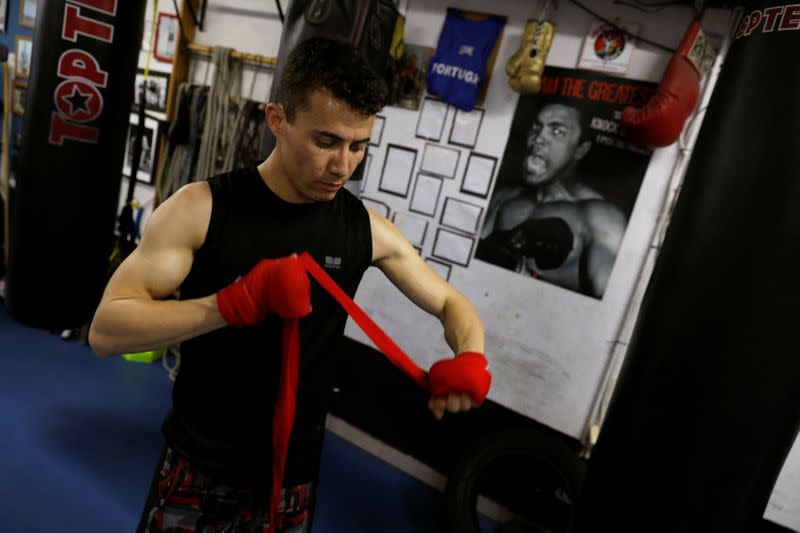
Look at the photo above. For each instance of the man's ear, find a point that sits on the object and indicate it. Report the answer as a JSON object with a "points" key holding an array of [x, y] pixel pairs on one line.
{"points": [[276, 117], [582, 150]]}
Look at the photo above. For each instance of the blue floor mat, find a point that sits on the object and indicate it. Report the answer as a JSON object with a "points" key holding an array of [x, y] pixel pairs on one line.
{"points": [[81, 435]]}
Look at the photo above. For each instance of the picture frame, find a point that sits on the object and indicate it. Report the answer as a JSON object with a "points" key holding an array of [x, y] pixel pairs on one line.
{"points": [[479, 175], [439, 160], [24, 53], [466, 127], [166, 36], [431, 119], [18, 97], [157, 90], [425, 198], [149, 157], [453, 247], [27, 13], [377, 130], [3, 15], [398, 168], [461, 216]]}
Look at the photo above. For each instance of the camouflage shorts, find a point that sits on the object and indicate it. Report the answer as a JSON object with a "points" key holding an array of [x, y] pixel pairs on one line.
{"points": [[184, 500]]}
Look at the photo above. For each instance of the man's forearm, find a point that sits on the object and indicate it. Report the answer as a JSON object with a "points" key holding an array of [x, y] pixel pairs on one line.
{"points": [[134, 325], [463, 329]]}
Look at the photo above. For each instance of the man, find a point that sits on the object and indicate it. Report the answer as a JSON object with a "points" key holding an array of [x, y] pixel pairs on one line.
{"points": [[227, 244], [551, 225]]}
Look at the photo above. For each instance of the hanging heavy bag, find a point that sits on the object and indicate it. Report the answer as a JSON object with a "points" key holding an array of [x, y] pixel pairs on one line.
{"points": [[705, 409], [368, 24], [68, 178]]}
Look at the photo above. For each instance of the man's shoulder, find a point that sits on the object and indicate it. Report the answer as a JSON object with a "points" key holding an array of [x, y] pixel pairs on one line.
{"points": [[602, 213]]}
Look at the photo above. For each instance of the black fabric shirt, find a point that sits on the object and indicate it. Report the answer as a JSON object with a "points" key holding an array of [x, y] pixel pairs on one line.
{"points": [[225, 391]]}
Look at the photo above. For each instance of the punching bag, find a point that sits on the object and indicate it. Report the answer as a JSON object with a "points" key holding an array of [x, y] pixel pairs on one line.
{"points": [[85, 54], [368, 24], [706, 408]]}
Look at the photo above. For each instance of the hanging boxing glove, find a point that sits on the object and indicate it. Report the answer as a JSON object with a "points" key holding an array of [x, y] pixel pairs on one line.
{"points": [[525, 67], [660, 122]]}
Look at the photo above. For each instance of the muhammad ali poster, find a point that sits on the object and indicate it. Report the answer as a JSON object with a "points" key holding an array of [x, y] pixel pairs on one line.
{"points": [[567, 182]]}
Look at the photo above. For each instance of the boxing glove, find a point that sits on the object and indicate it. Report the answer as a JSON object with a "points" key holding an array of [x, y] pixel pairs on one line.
{"points": [[660, 122], [272, 287], [525, 67], [547, 240], [467, 373]]}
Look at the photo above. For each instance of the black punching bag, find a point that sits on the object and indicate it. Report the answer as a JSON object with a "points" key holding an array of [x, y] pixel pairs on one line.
{"points": [[368, 24], [85, 54], [706, 408]]}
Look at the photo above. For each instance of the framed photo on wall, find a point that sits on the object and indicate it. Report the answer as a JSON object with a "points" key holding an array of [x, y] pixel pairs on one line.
{"points": [[20, 92], [149, 155], [155, 91], [24, 50], [3, 15], [166, 35], [27, 13]]}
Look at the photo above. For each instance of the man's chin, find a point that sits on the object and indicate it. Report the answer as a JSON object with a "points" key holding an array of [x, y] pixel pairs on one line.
{"points": [[535, 180]]}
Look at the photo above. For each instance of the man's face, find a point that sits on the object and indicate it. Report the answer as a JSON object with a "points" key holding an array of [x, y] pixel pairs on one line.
{"points": [[323, 145], [553, 143]]}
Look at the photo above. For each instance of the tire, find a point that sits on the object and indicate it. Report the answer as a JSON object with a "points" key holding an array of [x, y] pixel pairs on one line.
{"points": [[554, 483]]}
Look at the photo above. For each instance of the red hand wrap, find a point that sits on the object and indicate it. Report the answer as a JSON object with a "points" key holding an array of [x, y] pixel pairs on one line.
{"points": [[466, 373], [272, 287]]}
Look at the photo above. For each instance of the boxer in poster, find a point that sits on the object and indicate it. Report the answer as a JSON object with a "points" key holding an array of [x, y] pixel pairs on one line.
{"points": [[567, 182]]}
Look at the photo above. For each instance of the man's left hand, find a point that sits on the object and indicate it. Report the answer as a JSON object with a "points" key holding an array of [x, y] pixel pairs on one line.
{"points": [[459, 383]]}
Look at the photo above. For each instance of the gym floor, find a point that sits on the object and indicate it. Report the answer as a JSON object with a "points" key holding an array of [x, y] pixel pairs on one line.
{"points": [[80, 437]]}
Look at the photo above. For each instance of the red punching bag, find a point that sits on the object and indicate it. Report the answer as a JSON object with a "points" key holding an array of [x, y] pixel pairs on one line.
{"points": [[85, 54]]}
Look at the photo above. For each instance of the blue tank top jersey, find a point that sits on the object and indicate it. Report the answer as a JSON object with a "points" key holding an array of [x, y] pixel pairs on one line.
{"points": [[456, 70]]}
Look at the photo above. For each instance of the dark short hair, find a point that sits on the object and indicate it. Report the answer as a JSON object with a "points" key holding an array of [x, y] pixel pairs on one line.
{"points": [[334, 65]]}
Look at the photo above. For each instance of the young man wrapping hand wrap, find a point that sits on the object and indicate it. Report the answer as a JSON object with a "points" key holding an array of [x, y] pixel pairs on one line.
{"points": [[256, 358]]}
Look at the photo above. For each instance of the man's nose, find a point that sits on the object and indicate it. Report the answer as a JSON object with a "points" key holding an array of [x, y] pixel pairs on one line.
{"points": [[338, 165]]}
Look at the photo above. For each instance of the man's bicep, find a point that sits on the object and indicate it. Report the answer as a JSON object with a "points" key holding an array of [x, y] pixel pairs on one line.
{"points": [[164, 255], [402, 265]]}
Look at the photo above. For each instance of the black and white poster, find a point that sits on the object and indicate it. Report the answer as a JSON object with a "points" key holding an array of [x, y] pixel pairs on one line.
{"points": [[567, 182]]}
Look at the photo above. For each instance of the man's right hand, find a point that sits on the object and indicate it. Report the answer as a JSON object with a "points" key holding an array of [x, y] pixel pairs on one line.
{"points": [[272, 287]]}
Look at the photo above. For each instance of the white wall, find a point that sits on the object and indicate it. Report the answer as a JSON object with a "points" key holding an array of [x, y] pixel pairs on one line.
{"points": [[550, 348]]}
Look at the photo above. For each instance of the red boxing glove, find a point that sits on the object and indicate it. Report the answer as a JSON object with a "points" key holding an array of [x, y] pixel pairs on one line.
{"points": [[273, 287], [660, 122], [466, 373]]}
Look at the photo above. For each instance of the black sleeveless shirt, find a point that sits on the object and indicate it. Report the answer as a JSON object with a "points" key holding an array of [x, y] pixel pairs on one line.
{"points": [[225, 392]]}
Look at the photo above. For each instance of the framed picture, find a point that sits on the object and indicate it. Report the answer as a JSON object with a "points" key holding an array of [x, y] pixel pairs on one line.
{"points": [[466, 125], [460, 215], [440, 160], [430, 122], [27, 13], [397, 170], [425, 198], [166, 35], [20, 93], [149, 149], [478, 175], [155, 90], [3, 15], [377, 130], [453, 247], [22, 68]]}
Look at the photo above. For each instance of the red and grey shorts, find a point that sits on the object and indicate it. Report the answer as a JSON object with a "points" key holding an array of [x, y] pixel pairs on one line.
{"points": [[182, 499]]}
